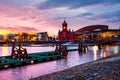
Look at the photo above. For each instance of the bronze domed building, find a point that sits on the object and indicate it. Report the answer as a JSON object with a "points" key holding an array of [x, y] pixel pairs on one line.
{"points": [[94, 32]]}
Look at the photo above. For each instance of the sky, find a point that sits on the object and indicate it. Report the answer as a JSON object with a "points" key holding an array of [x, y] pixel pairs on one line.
{"points": [[48, 15]]}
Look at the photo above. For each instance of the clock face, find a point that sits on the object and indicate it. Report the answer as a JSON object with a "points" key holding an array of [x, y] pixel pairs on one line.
{"points": [[64, 27]]}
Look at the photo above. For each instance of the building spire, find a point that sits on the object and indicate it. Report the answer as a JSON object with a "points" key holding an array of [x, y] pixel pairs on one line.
{"points": [[64, 20], [64, 25]]}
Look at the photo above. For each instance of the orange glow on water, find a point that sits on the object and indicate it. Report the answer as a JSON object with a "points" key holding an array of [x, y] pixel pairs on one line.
{"points": [[103, 54], [95, 49]]}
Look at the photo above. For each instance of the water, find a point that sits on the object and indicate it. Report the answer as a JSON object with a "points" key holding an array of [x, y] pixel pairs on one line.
{"points": [[35, 70]]}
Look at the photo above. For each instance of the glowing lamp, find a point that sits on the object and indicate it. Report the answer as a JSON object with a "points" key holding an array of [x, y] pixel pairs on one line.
{"points": [[15, 52], [21, 48], [13, 40], [32, 62], [6, 66], [22, 52]]}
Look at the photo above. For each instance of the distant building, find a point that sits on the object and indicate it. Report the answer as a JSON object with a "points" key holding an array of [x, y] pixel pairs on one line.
{"points": [[33, 37], [1, 38], [66, 34], [24, 37], [43, 36], [11, 37], [94, 32]]}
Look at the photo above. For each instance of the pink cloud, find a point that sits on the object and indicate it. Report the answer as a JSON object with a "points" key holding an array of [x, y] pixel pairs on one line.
{"points": [[19, 29]]}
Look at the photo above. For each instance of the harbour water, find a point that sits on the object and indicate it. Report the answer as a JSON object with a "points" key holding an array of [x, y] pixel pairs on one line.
{"points": [[74, 58]]}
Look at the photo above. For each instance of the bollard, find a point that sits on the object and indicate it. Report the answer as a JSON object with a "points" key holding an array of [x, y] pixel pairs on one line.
{"points": [[85, 48], [80, 47], [14, 53], [64, 51], [25, 53], [57, 48], [20, 53]]}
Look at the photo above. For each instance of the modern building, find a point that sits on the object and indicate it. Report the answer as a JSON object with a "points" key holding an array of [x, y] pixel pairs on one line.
{"points": [[24, 37], [65, 34], [10, 37], [43, 36], [21, 37], [94, 32]]}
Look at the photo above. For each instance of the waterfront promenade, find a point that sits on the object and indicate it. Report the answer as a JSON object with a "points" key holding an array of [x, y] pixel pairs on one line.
{"points": [[103, 69]]}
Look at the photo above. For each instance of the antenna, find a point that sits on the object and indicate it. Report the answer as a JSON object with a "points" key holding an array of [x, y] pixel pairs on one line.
{"points": [[64, 18]]}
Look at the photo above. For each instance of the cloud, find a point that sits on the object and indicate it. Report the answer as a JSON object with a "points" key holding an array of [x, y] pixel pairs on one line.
{"points": [[87, 14], [18, 28], [26, 28], [93, 18], [49, 4], [112, 16], [92, 13], [114, 19], [15, 2], [24, 15]]}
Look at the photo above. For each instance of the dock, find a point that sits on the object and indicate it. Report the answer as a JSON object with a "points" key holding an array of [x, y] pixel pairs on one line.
{"points": [[8, 62], [20, 57]]}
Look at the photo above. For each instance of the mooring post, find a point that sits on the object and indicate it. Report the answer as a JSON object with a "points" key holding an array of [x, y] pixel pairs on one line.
{"points": [[19, 51], [85, 48], [80, 47], [13, 52], [57, 48], [64, 51], [60, 48], [25, 53]]}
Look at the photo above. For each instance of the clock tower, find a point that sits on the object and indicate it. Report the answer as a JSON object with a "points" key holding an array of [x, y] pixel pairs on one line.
{"points": [[64, 26], [66, 34]]}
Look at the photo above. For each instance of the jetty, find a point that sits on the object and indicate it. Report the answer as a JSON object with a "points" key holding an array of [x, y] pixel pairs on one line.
{"points": [[7, 61], [20, 57]]}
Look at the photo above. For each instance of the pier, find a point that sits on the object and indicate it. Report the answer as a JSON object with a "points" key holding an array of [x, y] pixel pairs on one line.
{"points": [[7, 61], [20, 57]]}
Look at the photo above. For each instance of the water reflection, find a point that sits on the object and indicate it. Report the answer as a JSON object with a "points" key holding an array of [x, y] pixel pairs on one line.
{"points": [[103, 53], [95, 49], [62, 63], [5, 51], [116, 49], [35, 70]]}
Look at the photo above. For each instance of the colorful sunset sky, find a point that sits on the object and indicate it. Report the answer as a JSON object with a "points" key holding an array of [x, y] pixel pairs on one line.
{"points": [[48, 15]]}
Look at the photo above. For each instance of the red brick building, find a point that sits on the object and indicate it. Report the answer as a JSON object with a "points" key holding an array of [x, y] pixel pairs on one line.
{"points": [[66, 34]]}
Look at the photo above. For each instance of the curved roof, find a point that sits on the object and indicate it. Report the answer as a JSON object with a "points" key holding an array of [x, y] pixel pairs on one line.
{"points": [[92, 28]]}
